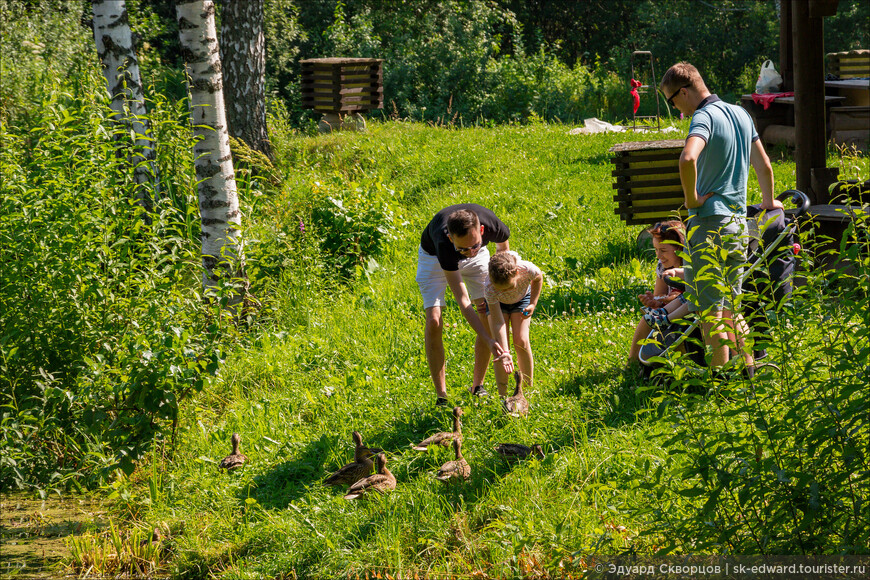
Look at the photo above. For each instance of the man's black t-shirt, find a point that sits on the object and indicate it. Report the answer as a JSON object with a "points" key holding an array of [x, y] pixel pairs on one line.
{"points": [[435, 242]]}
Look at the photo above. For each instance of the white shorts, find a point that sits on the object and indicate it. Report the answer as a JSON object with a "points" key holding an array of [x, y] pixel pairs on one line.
{"points": [[433, 282]]}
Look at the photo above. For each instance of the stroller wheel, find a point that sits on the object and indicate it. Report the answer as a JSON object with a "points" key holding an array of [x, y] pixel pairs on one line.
{"points": [[767, 369]]}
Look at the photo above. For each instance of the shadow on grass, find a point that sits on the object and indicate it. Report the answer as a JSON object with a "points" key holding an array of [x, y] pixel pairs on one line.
{"points": [[616, 404], [614, 254], [579, 161], [564, 299], [290, 480]]}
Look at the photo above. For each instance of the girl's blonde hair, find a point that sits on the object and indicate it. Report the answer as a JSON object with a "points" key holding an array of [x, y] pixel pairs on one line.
{"points": [[502, 267]]}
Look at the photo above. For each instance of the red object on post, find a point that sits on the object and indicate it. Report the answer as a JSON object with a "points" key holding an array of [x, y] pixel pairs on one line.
{"points": [[634, 86]]}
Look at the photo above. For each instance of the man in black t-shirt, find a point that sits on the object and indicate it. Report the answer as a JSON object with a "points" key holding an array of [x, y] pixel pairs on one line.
{"points": [[453, 253]]}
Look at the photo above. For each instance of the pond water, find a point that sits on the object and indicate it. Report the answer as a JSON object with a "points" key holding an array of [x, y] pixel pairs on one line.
{"points": [[33, 532]]}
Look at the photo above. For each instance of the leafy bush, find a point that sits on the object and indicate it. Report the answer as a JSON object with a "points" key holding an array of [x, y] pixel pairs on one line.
{"points": [[779, 465], [353, 222], [103, 327], [540, 86], [42, 40], [435, 56]]}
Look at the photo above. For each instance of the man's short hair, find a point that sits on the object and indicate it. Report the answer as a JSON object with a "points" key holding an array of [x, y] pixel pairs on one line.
{"points": [[461, 222], [680, 75]]}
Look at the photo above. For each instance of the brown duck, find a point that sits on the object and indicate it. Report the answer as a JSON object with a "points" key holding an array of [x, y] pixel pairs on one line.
{"points": [[357, 442], [381, 482], [235, 459], [514, 451], [155, 540], [360, 467], [516, 404], [445, 437], [458, 468]]}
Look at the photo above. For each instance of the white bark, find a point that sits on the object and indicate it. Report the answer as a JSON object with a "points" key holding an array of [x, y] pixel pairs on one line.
{"points": [[222, 255], [114, 41]]}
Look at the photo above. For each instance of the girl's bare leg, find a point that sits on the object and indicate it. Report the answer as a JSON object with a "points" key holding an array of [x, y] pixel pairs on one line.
{"points": [[523, 346], [481, 348]]}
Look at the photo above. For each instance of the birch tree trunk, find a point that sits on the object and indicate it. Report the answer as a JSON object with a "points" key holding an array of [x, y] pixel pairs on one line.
{"points": [[222, 256], [114, 41], [243, 55]]}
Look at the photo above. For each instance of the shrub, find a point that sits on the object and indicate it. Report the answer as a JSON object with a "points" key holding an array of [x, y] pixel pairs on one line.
{"points": [[542, 87], [779, 465], [103, 328], [42, 40], [353, 222]]}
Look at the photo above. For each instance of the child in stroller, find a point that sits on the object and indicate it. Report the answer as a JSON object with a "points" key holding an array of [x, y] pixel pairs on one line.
{"points": [[771, 261], [669, 239]]}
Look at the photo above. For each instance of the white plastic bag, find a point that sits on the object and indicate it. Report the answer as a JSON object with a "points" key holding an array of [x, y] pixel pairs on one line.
{"points": [[769, 81]]}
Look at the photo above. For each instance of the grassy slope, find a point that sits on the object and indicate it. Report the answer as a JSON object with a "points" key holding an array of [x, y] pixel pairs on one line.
{"points": [[355, 361]]}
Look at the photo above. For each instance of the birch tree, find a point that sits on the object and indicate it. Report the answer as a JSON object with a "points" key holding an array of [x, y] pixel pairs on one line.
{"points": [[222, 256], [243, 55], [114, 41]]}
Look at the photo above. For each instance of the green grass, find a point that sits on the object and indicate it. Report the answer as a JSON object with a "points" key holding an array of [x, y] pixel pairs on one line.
{"points": [[352, 359]]}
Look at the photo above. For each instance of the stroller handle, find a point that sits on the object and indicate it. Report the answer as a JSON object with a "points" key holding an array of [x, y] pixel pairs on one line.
{"points": [[798, 198]]}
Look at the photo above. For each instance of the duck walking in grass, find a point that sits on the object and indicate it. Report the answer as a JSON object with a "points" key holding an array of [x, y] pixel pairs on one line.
{"points": [[445, 437], [235, 459], [514, 451], [359, 468], [358, 442], [456, 469], [516, 404], [381, 482]]}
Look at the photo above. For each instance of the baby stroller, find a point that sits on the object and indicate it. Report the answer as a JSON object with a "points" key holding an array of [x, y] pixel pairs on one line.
{"points": [[767, 280]]}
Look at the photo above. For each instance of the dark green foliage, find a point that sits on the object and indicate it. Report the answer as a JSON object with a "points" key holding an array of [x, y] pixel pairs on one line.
{"points": [[726, 40], [477, 61], [509, 60], [103, 328], [452, 61], [848, 29], [284, 36], [539, 86], [39, 41], [575, 32]]}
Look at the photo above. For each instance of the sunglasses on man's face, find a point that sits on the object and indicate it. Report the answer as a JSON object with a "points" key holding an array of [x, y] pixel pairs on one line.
{"points": [[670, 99], [469, 248]]}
